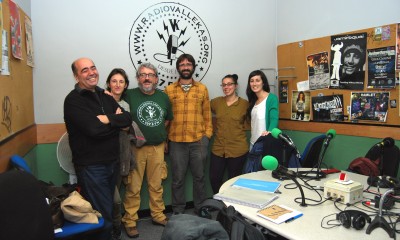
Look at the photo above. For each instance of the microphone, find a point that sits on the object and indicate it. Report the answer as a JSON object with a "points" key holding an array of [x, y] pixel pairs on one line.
{"points": [[271, 163], [330, 134], [386, 142], [172, 47], [277, 133]]}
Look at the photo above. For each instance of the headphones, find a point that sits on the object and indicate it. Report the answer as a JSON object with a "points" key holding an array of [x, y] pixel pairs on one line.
{"points": [[354, 218], [383, 181]]}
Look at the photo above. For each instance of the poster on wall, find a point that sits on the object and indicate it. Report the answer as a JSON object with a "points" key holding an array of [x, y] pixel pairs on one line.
{"points": [[318, 70], [398, 47], [327, 108], [371, 106], [15, 31], [381, 67], [283, 91], [348, 55], [29, 42], [301, 105]]}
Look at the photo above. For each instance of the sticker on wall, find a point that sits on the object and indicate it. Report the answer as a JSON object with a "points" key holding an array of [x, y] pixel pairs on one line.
{"points": [[163, 32]]}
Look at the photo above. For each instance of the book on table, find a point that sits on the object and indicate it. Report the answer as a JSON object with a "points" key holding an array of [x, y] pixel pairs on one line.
{"points": [[246, 197], [279, 213]]}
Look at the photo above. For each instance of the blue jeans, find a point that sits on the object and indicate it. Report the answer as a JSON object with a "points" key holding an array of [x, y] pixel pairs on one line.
{"points": [[184, 155], [97, 184]]}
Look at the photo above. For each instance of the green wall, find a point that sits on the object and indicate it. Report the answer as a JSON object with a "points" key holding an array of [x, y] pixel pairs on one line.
{"points": [[341, 151], [44, 164]]}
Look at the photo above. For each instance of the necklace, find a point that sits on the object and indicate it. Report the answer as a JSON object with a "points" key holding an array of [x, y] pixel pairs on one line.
{"points": [[186, 87]]}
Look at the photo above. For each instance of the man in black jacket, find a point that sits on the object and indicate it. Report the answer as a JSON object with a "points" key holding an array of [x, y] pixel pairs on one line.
{"points": [[93, 120]]}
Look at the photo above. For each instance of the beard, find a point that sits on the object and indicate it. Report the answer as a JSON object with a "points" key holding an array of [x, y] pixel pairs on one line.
{"points": [[186, 74], [147, 89]]}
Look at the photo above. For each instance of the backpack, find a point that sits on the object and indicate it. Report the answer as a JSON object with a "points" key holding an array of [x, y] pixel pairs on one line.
{"points": [[365, 166], [233, 222]]}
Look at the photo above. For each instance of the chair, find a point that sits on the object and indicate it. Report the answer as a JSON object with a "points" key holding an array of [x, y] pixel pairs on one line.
{"points": [[24, 212], [69, 229], [20, 163], [311, 153], [391, 158]]}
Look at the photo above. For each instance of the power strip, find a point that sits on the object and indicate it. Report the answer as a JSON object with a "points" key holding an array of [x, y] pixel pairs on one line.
{"points": [[347, 192]]}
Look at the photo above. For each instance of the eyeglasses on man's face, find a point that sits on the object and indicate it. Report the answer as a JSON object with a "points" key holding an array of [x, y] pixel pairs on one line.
{"points": [[185, 65], [227, 84], [149, 75]]}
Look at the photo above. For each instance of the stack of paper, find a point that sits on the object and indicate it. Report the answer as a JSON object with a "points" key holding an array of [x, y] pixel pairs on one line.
{"points": [[245, 196]]}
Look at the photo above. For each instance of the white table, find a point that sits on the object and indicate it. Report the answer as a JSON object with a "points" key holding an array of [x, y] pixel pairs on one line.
{"points": [[309, 225]]}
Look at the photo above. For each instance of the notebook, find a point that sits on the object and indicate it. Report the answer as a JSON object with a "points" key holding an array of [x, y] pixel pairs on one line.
{"points": [[246, 197], [279, 214], [259, 185]]}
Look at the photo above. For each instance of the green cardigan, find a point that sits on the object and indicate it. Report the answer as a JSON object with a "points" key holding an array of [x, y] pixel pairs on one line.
{"points": [[271, 112]]}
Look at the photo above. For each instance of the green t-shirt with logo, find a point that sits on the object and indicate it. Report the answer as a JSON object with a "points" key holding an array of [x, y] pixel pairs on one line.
{"points": [[150, 113]]}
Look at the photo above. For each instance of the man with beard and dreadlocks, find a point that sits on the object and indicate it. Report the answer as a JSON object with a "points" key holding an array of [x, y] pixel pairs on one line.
{"points": [[189, 134], [151, 110]]}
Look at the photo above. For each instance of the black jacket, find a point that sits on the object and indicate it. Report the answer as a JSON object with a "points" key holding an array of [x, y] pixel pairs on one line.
{"points": [[91, 141]]}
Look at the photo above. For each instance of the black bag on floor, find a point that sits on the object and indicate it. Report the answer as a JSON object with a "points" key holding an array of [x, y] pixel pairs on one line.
{"points": [[233, 222]]}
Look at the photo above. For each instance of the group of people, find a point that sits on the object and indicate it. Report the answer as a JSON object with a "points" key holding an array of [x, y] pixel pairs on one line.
{"points": [[177, 120]]}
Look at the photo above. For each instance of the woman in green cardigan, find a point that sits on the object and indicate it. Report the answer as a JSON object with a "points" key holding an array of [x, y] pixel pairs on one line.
{"points": [[263, 110]]}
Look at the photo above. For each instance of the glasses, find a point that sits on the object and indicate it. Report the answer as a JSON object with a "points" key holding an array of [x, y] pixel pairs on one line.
{"points": [[185, 65], [149, 75], [228, 84]]}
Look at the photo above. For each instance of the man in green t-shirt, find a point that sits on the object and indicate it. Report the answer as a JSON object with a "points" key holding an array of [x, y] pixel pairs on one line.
{"points": [[151, 110]]}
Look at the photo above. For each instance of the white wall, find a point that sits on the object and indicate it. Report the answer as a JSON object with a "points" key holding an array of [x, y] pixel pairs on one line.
{"points": [[244, 36], [308, 19], [243, 39]]}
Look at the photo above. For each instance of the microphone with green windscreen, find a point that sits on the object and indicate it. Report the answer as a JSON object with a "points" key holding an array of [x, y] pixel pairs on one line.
{"points": [[330, 134]]}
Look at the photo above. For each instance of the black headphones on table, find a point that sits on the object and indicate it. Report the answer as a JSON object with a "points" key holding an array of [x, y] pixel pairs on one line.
{"points": [[354, 218]]}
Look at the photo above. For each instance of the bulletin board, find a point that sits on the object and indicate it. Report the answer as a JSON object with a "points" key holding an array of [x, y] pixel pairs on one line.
{"points": [[292, 66], [16, 89]]}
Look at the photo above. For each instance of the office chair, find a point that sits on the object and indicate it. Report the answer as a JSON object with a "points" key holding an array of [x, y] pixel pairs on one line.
{"points": [[311, 153], [391, 158], [20, 163], [69, 229], [24, 212]]}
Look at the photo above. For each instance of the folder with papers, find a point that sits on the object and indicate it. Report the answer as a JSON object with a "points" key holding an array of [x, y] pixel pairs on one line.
{"points": [[259, 185]]}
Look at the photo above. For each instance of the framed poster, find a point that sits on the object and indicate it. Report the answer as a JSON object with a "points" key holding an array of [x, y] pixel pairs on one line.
{"points": [[318, 70], [372, 106], [283, 91], [301, 105], [327, 108], [381, 67], [348, 55]]}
